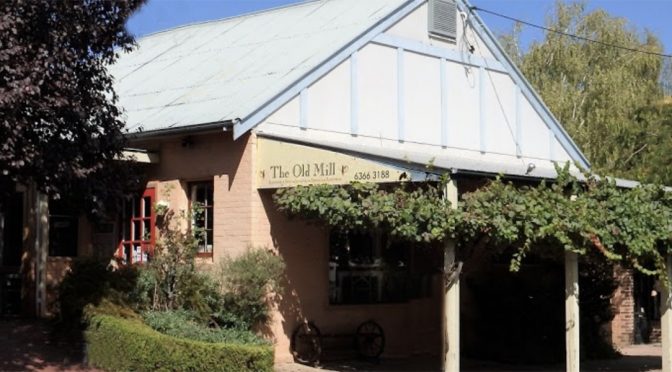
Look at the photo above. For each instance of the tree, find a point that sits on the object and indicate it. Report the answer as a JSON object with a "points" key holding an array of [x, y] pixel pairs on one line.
{"points": [[60, 129], [599, 92]]}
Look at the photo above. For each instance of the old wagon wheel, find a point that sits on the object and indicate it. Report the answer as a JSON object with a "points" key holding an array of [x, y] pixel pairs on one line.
{"points": [[370, 339], [307, 343]]}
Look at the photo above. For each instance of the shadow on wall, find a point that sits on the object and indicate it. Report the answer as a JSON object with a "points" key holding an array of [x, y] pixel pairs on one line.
{"points": [[303, 248]]}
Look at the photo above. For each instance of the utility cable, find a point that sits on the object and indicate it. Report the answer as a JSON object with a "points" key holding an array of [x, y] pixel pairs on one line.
{"points": [[568, 34]]}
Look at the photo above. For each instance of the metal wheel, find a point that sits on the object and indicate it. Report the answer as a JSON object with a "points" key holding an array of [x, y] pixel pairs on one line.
{"points": [[307, 343], [370, 339]]}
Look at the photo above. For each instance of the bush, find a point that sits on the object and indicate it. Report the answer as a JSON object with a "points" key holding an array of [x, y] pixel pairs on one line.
{"points": [[247, 281], [118, 344], [184, 324], [170, 280], [88, 282]]}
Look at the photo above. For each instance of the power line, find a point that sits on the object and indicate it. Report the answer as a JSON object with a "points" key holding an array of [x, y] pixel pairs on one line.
{"points": [[568, 34]]}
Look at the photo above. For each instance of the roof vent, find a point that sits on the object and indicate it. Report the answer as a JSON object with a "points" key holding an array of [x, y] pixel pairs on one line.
{"points": [[443, 19]]}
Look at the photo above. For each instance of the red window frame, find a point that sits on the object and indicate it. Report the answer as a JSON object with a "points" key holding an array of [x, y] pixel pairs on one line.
{"points": [[138, 225]]}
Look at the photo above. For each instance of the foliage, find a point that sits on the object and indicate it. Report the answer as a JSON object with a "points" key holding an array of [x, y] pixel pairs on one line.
{"points": [[407, 212], [653, 163], [627, 225], [184, 324], [598, 92], [59, 126], [89, 282], [170, 279], [108, 307], [247, 281], [117, 344]]}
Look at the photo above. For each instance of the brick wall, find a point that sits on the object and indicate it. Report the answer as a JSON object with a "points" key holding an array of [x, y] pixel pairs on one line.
{"points": [[228, 164], [623, 302]]}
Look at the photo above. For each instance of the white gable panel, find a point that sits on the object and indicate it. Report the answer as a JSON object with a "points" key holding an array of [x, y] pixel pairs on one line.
{"points": [[499, 113], [534, 141], [328, 101], [422, 98], [377, 91], [463, 103], [287, 115], [468, 111], [561, 155]]}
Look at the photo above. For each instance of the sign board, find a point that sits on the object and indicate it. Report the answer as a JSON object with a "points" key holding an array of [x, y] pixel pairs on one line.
{"points": [[283, 164]]}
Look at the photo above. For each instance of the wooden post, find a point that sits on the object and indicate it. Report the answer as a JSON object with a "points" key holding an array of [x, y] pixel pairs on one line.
{"points": [[666, 318], [451, 306], [572, 311], [41, 237]]}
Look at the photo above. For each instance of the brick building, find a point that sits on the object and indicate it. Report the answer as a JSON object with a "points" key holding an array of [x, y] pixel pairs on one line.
{"points": [[328, 91]]}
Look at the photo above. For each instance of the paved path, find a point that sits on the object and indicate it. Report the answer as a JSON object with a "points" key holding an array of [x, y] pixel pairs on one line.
{"points": [[636, 358], [28, 345]]}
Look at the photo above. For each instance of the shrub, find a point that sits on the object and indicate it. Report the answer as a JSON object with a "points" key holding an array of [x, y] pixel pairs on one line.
{"points": [[117, 344], [170, 280], [184, 324], [247, 281], [88, 282]]}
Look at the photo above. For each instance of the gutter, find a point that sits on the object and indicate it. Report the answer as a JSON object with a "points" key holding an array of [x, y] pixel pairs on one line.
{"points": [[225, 126]]}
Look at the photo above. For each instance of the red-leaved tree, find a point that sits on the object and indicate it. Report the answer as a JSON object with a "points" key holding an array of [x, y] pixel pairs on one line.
{"points": [[60, 129]]}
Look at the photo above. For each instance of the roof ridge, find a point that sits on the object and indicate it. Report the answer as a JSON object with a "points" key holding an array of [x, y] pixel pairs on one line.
{"points": [[298, 3]]}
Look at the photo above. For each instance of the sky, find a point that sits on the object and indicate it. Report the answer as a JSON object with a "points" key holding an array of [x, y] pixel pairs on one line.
{"points": [[653, 15]]}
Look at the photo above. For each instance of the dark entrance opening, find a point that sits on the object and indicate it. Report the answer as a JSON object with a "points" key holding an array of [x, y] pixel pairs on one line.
{"points": [[647, 293], [11, 224], [513, 318]]}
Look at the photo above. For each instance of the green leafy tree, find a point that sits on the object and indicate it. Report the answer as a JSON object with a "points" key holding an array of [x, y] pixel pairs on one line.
{"points": [[59, 126], [599, 93]]}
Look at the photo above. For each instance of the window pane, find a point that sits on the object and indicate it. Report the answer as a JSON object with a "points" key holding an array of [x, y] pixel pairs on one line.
{"points": [[127, 253], [63, 236], [137, 230], [137, 205], [146, 235], [200, 194], [367, 268], [147, 207], [209, 217], [127, 231], [137, 253], [208, 195], [209, 241]]}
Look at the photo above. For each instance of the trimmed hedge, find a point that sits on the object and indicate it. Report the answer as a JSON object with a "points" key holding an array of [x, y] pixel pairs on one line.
{"points": [[117, 344]]}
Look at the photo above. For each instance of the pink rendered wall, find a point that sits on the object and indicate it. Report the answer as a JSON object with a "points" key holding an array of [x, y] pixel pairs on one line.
{"points": [[247, 217]]}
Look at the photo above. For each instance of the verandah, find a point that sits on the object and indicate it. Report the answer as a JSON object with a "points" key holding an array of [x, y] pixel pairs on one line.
{"points": [[626, 226]]}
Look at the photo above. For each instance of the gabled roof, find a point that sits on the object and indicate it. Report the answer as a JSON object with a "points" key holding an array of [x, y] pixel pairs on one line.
{"points": [[224, 70], [242, 69]]}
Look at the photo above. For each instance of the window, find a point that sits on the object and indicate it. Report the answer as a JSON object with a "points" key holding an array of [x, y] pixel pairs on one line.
{"points": [[203, 216], [63, 229], [367, 268], [137, 229]]}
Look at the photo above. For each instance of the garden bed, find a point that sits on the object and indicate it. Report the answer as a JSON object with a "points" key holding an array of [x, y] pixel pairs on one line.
{"points": [[118, 344]]}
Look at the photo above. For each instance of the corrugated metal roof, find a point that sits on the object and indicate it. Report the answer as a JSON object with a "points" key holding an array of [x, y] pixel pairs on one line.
{"points": [[224, 70]]}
